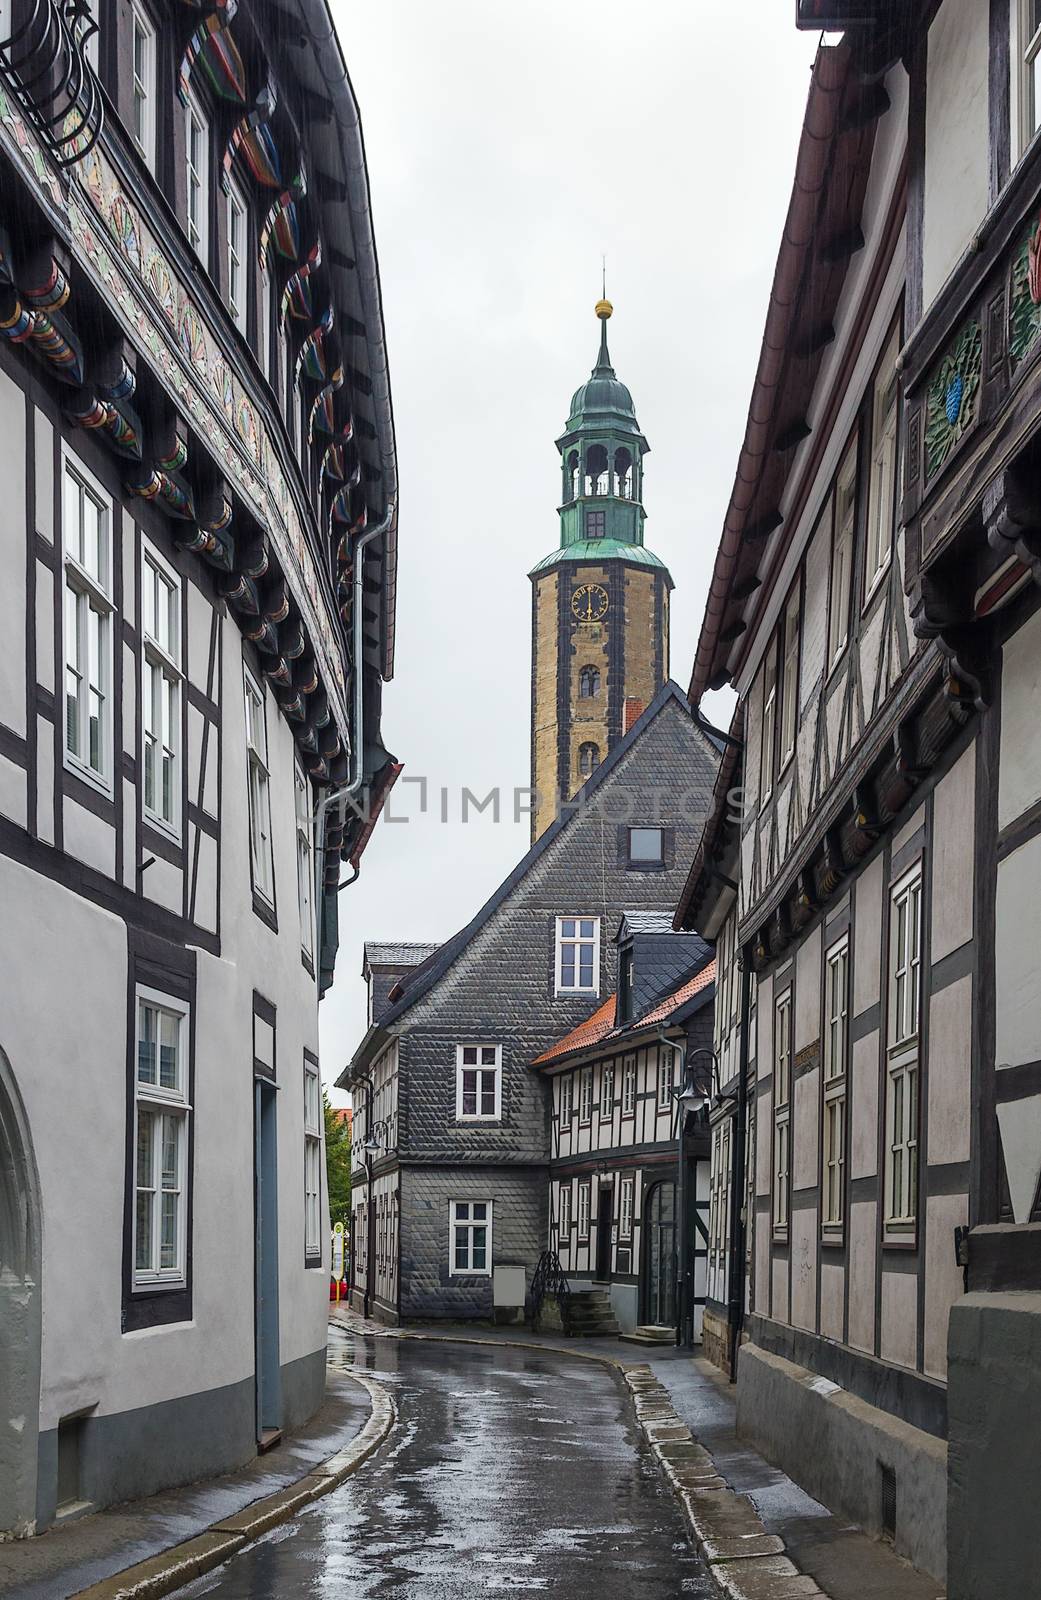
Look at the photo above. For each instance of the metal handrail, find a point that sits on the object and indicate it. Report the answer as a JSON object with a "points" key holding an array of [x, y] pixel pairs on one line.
{"points": [[45, 66], [549, 1279]]}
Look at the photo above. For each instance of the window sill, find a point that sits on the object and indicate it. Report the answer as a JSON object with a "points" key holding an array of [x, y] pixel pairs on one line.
{"points": [[832, 1239], [893, 1240], [465, 1121], [581, 994], [86, 775], [312, 1261], [876, 584], [265, 911]]}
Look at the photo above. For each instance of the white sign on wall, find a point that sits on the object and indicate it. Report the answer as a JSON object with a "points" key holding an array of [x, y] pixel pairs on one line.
{"points": [[338, 1252]]}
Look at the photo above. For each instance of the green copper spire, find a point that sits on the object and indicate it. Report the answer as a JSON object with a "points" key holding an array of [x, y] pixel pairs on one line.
{"points": [[602, 451]]}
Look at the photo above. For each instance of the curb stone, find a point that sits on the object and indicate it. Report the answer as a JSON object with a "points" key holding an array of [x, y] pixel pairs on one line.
{"points": [[746, 1561], [172, 1569]]}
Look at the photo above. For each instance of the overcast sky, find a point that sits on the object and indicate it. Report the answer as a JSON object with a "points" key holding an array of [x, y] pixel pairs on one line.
{"points": [[509, 147]]}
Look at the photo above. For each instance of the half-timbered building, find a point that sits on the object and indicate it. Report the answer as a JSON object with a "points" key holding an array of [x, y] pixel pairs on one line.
{"points": [[197, 602], [616, 1189], [452, 1123], [870, 864]]}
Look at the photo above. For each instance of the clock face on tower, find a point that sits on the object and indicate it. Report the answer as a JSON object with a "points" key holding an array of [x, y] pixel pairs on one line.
{"points": [[589, 603]]}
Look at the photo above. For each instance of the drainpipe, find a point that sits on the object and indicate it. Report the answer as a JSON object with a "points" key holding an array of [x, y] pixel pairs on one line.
{"points": [[370, 1242], [349, 790], [739, 1230]]}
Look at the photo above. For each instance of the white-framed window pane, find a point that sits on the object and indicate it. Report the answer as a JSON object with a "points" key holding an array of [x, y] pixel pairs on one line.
{"points": [[881, 515], [237, 215], [304, 860], [197, 160], [578, 954], [144, 85], [160, 1141], [259, 789], [790, 675]]}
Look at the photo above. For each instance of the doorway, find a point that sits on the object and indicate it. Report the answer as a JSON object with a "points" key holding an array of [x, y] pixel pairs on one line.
{"points": [[660, 1257], [604, 1213], [19, 1310], [265, 1179]]}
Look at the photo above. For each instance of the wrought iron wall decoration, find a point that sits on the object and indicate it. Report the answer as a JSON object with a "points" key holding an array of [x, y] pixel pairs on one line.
{"points": [[45, 66]]}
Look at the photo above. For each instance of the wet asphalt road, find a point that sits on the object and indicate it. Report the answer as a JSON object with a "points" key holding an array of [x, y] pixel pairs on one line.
{"points": [[507, 1470]]}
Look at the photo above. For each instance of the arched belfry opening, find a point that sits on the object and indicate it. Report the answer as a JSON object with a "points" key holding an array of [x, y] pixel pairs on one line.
{"points": [[19, 1312]]}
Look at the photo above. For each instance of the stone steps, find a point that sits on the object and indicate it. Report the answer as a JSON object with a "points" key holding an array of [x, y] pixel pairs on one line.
{"points": [[652, 1333], [590, 1313]]}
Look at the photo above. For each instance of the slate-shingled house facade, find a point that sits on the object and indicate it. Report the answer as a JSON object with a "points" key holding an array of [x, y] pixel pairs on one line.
{"points": [[461, 1183]]}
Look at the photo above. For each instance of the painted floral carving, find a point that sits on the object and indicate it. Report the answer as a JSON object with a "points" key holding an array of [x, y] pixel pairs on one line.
{"points": [[953, 397], [1024, 310], [123, 222]]}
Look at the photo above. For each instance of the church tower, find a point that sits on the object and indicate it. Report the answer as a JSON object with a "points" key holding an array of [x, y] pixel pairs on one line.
{"points": [[600, 601]]}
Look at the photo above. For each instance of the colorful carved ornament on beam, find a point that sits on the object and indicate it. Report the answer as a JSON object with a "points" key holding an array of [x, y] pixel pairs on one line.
{"points": [[335, 462], [953, 397], [1024, 301], [161, 481], [281, 226], [313, 359], [39, 323], [297, 296], [322, 412], [212, 48], [253, 140]]}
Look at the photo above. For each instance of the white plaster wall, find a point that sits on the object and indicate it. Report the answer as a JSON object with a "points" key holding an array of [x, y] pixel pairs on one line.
{"points": [[862, 1245], [89, 838], [1019, 779], [12, 555], [863, 1140], [956, 138], [949, 1085], [806, 1113], [944, 1282], [900, 1317], [803, 1230], [867, 951], [833, 1279], [954, 856], [808, 991], [1017, 939]]}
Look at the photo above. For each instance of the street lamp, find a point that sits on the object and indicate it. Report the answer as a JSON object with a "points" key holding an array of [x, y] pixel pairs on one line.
{"points": [[379, 1139], [694, 1094]]}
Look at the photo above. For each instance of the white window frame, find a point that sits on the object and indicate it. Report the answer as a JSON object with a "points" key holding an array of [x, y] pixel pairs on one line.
{"points": [[143, 84], [790, 644], [483, 1069], [162, 677], [584, 1209], [564, 1213], [264, 321], [163, 1102], [197, 180], [666, 1076], [782, 1095], [578, 940], [629, 1086], [843, 511], [902, 1055], [1024, 51], [835, 1070], [567, 1100], [459, 1221], [237, 219], [882, 481], [585, 1097], [768, 744], [312, 1160], [259, 788], [304, 858], [93, 46], [88, 593], [607, 1091], [625, 1208]]}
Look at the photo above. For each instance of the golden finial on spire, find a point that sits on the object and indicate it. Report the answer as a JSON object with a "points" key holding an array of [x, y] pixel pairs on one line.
{"points": [[603, 305]]}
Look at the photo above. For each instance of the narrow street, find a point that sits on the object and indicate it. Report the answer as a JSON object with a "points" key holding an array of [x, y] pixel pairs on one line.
{"points": [[508, 1469]]}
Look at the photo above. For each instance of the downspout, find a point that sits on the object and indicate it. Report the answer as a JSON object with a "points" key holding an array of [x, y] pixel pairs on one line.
{"points": [[357, 775], [370, 1243], [681, 1220], [739, 1189]]}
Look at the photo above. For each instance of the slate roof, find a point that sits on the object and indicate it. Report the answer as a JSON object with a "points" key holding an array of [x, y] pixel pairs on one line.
{"points": [[415, 984], [404, 953], [600, 1029]]}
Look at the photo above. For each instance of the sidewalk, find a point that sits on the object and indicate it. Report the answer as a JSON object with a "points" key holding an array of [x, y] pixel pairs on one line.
{"points": [[69, 1558], [846, 1563]]}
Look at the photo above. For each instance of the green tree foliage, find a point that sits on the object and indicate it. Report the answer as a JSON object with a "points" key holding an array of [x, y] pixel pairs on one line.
{"points": [[337, 1164]]}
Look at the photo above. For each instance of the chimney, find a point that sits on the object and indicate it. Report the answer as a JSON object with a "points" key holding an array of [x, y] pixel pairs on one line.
{"points": [[634, 710]]}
